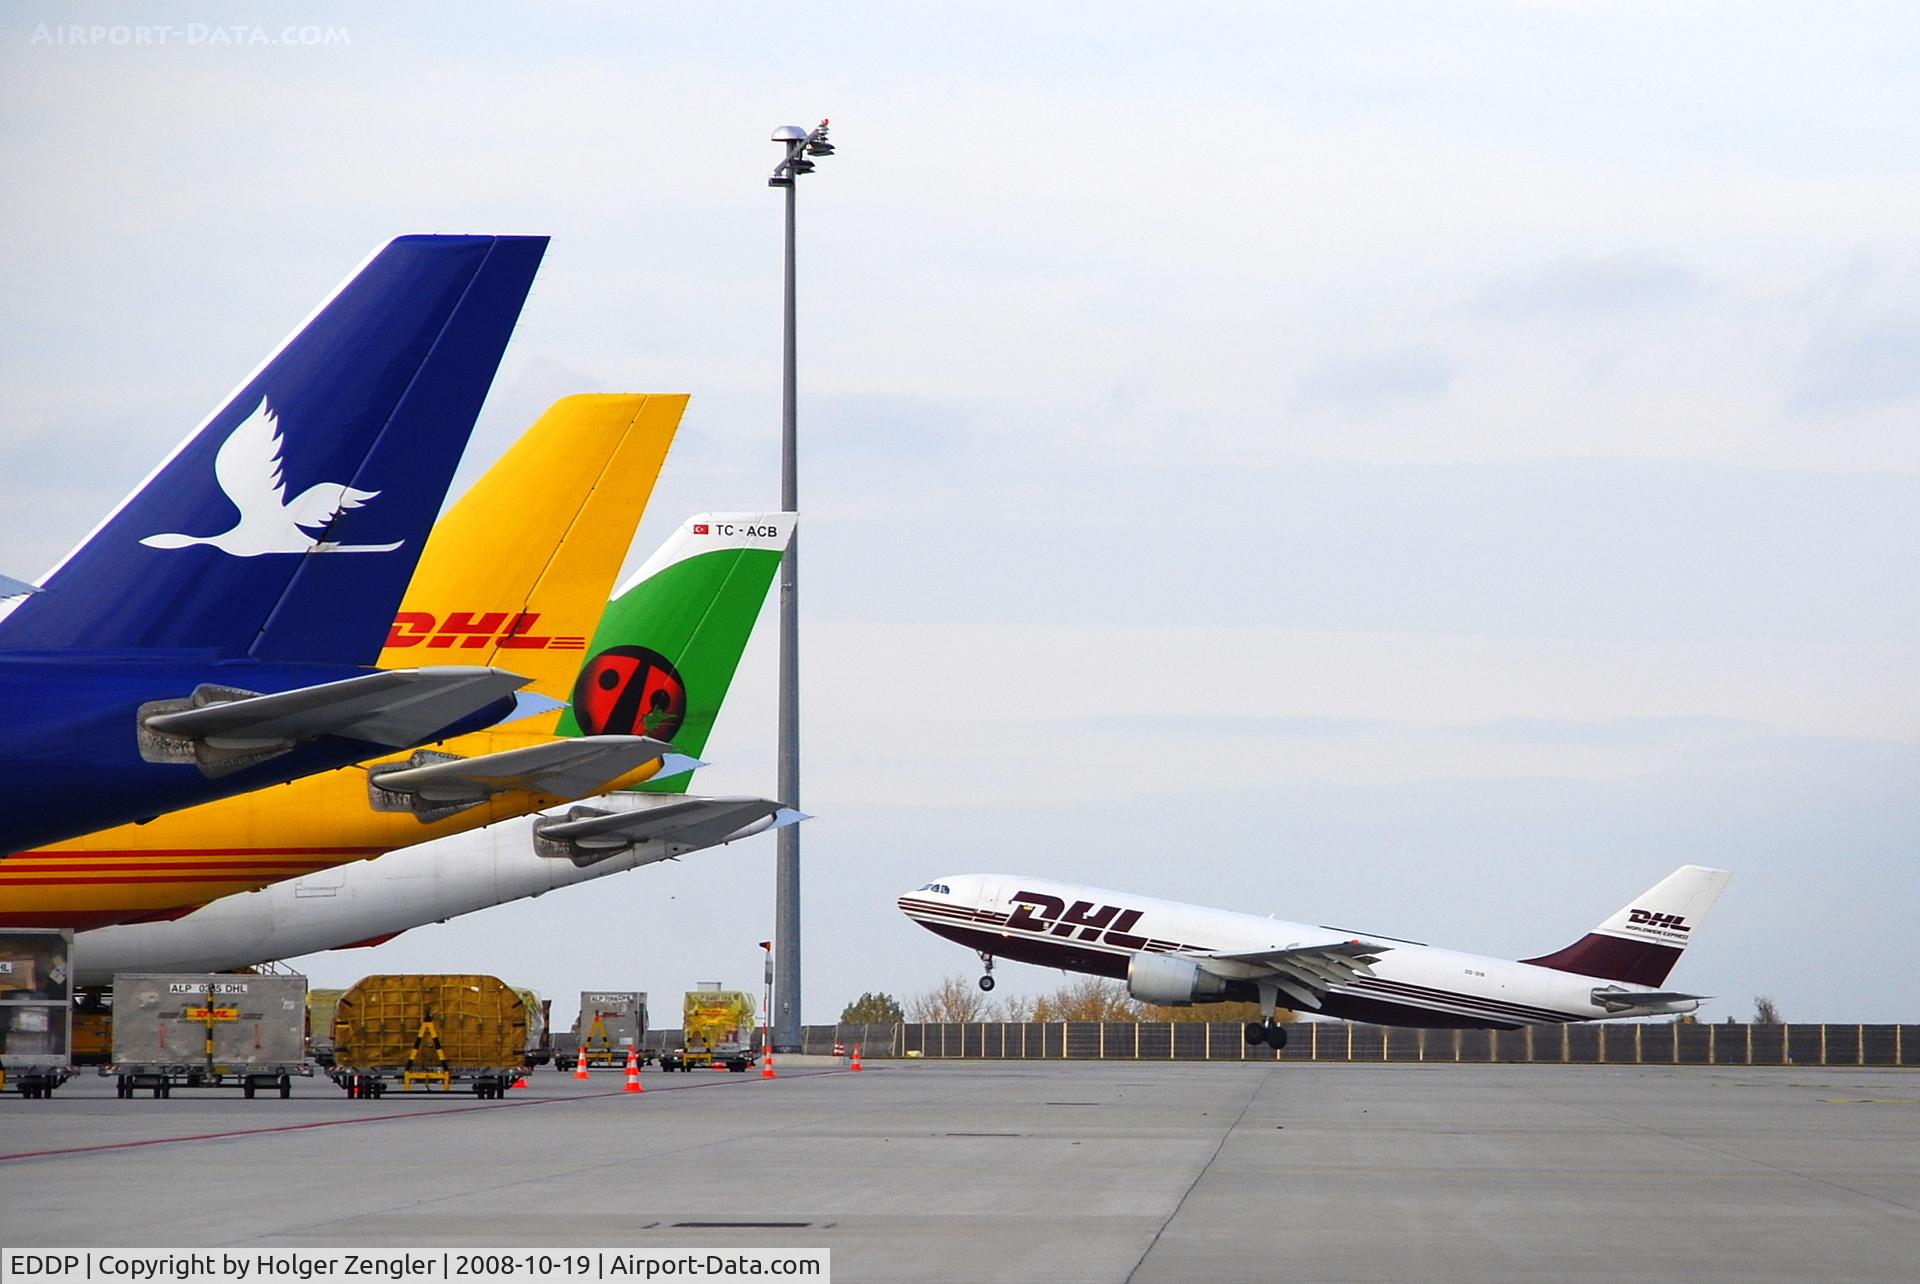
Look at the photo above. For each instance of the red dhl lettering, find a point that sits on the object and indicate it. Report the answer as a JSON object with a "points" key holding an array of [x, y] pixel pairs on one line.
{"points": [[474, 630]]}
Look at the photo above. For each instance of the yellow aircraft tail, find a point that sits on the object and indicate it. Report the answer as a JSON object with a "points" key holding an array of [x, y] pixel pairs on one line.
{"points": [[572, 489]]}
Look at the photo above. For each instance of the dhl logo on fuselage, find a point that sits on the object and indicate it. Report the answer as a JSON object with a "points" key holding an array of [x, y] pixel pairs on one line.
{"points": [[1038, 912], [473, 630]]}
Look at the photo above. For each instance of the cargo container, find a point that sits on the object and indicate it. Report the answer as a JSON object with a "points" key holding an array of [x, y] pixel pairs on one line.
{"points": [[717, 1029], [36, 1009], [320, 1006], [611, 1024], [93, 1025], [208, 1030], [429, 1031], [539, 1031]]}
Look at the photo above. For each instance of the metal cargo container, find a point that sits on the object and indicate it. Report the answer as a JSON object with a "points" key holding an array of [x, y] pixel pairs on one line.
{"points": [[716, 1029], [208, 1030], [609, 1024], [36, 1009], [429, 1030]]}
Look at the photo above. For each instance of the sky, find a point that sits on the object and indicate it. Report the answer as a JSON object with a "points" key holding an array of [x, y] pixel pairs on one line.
{"points": [[1427, 468]]}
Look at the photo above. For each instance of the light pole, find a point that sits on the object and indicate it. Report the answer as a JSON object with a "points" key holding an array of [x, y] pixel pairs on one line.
{"points": [[800, 146]]}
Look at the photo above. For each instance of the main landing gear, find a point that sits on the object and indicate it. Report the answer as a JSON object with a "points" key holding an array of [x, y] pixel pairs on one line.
{"points": [[1267, 1030], [986, 982]]}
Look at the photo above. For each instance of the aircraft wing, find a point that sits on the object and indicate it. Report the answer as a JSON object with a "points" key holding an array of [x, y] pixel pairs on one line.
{"points": [[433, 785], [1301, 972], [224, 728], [588, 834]]}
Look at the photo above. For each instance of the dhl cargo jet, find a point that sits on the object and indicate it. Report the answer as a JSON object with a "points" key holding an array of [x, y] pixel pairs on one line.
{"points": [[1175, 955], [211, 635], [516, 572], [671, 641]]}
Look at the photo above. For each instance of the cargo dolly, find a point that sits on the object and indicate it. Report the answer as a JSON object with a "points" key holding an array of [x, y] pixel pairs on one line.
{"points": [[36, 1010], [208, 1031], [429, 1033]]}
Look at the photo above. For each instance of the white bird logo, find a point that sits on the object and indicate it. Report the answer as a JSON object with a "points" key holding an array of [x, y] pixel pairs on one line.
{"points": [[248, 470]]}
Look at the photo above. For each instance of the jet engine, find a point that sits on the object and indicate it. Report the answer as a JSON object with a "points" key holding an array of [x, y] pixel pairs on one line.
{"points": [[1171, 981]]}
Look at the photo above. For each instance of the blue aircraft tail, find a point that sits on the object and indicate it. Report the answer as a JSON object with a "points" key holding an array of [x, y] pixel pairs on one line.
{"points": [[287, 525]]}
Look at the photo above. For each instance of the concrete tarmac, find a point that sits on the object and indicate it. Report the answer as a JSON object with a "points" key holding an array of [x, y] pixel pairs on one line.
{"points": [[1027, 1171]]}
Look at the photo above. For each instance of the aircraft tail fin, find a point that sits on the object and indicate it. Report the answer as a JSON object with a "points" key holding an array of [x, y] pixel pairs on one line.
{"points": [[669, 643], [519, 570], [343, 441], [1642, 940]]}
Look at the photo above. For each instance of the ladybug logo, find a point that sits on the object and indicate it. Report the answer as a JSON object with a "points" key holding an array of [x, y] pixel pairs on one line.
{"points": [[630, 691]]}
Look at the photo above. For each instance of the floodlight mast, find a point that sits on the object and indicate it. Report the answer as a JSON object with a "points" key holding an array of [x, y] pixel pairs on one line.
{"points": [[801, 146]]}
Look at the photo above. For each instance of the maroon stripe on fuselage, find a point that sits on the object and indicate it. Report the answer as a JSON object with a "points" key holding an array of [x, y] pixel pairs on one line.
{"points": [[1613, 958], [1040, 951], [1498, 1009]]}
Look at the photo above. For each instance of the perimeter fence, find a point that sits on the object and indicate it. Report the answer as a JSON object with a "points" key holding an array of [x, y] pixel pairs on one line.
{"points": [[1620, 1042]]}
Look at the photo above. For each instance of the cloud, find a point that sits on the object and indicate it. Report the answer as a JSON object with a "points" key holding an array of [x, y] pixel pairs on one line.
{"points": [[1587, 285], [1410, 374], [1858, 368]]}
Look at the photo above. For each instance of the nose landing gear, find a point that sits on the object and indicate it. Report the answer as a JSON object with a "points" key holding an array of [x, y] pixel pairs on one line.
{"points": [[986, 982]]}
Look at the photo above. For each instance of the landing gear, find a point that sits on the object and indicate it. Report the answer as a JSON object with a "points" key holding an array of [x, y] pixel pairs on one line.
{"points": [[1267, 1030], [986, 982]]}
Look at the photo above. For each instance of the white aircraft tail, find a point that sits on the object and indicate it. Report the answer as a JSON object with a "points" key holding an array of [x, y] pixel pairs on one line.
{"points": [[1641, 941]]}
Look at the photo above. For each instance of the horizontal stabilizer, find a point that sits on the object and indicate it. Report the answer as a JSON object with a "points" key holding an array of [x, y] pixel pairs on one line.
{"points": [[1615, 999], [10, 587], [223, 729], [586, 835], [432, 785]]}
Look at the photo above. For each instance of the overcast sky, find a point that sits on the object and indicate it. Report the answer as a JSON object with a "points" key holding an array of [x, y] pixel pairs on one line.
{"points": [[1431, 471]]}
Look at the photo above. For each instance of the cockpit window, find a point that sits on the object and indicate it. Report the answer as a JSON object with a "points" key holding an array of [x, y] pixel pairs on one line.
{"points": [[941, 888]]}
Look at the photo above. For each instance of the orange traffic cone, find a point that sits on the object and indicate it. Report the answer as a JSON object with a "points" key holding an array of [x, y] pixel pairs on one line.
{"points": [[633, 1072], [766, 1067], [580, 1066], [521, 1082], [856, 1059]]}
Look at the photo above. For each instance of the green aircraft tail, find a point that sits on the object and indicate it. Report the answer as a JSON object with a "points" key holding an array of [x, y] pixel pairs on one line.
{"points": [[668, 644]]}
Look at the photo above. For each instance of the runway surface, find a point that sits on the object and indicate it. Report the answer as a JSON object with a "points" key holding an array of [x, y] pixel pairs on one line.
{"points": [[1031, 1170]]}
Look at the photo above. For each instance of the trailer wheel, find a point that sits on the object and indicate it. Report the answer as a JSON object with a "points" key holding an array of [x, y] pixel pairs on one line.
{"points": [[246, 1090], [286, 1087]]}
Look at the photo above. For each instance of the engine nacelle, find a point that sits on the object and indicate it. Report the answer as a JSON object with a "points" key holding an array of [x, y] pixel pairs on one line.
{"points": [[1170, 981]]}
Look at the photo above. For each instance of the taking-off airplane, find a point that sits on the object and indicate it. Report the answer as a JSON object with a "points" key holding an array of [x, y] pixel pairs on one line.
{"points": [[1175, 955]]}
